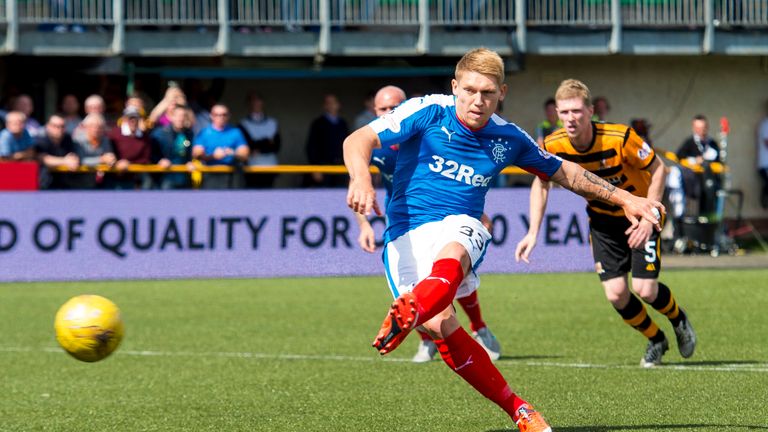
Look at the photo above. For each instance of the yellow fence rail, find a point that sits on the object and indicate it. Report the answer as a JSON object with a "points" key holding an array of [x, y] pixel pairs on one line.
{"points": [[276, 169]]}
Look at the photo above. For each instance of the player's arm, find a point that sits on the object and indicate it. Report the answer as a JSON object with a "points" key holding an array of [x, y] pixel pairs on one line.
{"points": [[575, 178], [538, 205], [367, 238], [358, 148], [658, 173]]}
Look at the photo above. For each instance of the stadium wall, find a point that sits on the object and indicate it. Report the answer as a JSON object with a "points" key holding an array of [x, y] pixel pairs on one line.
{"points": [[198, 234]]}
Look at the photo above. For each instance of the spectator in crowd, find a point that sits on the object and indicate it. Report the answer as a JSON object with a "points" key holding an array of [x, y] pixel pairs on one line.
{"points": [[93, 104], [602, 108], [55, 149], [368, 113], [138, 103], [23, 103], [94, 148], [263, 136], [549, 124], [221, 144], [324, 143], [160, 115], [131, 146], [762, 158], [172, 145], [16, 144], [699, 147], [70, 112]]}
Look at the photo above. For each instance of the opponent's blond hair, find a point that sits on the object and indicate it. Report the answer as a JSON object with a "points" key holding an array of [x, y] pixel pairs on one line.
{"points": [[483, 61], [573, 88]]}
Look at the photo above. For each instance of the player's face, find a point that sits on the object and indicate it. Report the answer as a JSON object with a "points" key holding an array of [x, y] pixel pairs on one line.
{"points": [[477, 96], [575, 115]]}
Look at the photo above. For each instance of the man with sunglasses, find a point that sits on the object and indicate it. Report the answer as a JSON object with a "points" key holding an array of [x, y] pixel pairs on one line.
{"points": [[220, 144]]}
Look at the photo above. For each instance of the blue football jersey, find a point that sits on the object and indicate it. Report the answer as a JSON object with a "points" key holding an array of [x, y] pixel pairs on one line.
{"points": [[384, 159], [443, 168]]}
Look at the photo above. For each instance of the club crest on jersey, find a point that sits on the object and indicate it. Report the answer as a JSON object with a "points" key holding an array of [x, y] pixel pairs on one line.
{"points": [[645, 151], [499, 150]]}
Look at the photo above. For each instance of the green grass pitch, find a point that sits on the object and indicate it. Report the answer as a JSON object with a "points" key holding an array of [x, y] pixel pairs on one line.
{"points": [[295, 355]]}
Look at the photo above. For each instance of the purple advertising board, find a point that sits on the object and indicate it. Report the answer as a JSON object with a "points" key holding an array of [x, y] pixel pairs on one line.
{"points": [[189, 234]]}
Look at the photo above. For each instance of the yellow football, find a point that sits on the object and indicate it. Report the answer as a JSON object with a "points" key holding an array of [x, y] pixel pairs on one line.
{"points": [[89, 327]]}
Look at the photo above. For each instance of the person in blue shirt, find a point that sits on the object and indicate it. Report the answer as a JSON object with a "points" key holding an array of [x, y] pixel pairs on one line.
{"points": [[386, 100], [16, 144], [451, 149], [220, 144]]}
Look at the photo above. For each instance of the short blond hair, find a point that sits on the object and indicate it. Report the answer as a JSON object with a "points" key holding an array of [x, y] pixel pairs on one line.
{"points": [[483, 61], [573, 88]]}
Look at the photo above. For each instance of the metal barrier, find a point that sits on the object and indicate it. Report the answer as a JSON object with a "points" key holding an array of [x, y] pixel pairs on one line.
{"points": [[197, 170], [573, 13], [662, 13], [171, 12], [473, 12], [374, 12], [742, 13], [83, 12], [371, 12], [274, 12], [256, 169], [650, 13]]}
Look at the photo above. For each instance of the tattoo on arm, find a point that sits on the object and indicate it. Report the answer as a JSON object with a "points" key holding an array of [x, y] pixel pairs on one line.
{"points": [[593, 187]]}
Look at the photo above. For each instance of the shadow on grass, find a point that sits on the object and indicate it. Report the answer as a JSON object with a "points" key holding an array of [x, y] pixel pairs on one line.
{"points": [[715, 363], [644, 428]]}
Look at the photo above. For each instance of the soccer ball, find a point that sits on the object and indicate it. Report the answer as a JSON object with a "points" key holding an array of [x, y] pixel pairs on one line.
{"points": [[89, 327]]}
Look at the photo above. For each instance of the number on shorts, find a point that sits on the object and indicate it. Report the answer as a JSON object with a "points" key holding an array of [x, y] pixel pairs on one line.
{"points": [[467, 231], [476, 240], [650, 248]]}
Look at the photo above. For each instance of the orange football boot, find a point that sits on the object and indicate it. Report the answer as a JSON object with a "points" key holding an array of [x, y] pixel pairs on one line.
{"points": [[400, 320], [530, 420]]}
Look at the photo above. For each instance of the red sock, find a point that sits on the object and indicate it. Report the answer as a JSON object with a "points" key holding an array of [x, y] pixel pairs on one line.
{"points": [[471, 306], [435, 292], [468, 359], [424, 335]]}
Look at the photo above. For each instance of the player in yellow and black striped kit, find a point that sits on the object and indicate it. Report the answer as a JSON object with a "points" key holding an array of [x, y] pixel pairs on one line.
{"points": [[617, 154]]}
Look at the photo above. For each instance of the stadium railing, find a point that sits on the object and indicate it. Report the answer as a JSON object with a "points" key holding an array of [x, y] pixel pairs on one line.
{"points": [[422, 13], [197, 170]]}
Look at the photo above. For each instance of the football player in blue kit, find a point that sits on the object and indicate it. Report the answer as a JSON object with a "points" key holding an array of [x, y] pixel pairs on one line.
{"points": [[387, 99], [451, 148]]}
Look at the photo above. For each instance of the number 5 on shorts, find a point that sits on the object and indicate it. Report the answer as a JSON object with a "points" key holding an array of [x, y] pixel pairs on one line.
{"points": [[650, 249]]}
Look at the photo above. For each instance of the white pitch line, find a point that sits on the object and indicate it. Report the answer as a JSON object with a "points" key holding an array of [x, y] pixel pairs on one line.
{"points": [[725, 367]]}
